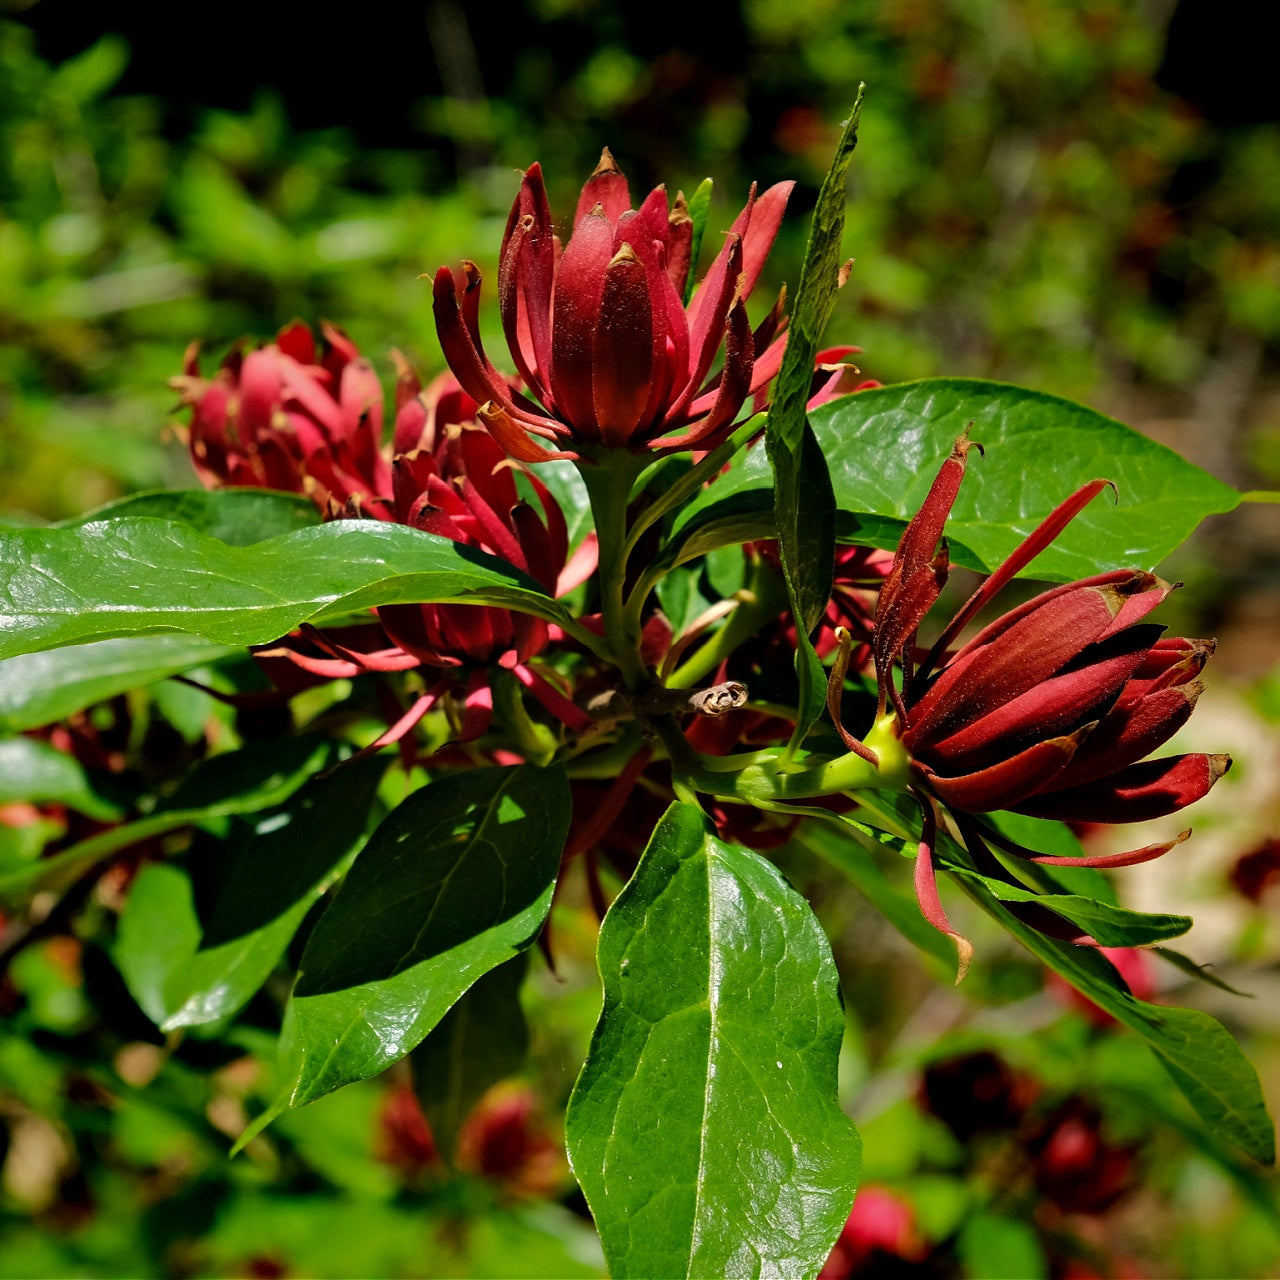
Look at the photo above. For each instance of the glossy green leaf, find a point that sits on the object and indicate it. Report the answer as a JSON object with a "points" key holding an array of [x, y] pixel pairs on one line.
{"points": [[1196, 1050], [33, 771], [456, 880], [289, 854], [885, 446], [704, 1128], [483, 1039], [238, 517], [41, 688], [242, 781], [1111, 926], [140, 576]]}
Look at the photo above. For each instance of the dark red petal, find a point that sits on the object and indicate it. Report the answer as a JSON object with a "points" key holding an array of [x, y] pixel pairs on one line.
{"points": [[1130, 731], [553, 700], [465, 358], [708, 313], [1148, 853], [623, 356], [1039, 645], [679, 244], [926, 886], [1054, 706], [606, 187], [1002, 785], [1035, 542], [913, 583], [1134, 794], [762, 218], [576, 317], [528, 273], [735, 383]]}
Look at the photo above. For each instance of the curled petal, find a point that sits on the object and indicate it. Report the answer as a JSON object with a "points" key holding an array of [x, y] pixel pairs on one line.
{"points": [[512, 437], [1002, 785], [926, 886], [735, 383]]}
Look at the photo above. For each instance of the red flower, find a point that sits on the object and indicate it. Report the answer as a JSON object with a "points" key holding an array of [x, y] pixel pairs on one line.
{"points": [[1075, 1166], [600, 333], [1048, 711], [278, 418], [880, 1230]]}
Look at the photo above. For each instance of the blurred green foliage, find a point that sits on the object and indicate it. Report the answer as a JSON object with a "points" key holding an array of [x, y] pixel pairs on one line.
{"points": [[1027, 204]]}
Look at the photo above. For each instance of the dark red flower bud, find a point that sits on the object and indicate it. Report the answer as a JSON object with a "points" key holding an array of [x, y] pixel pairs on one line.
{"points": [[599, 332], [1051, 709]]}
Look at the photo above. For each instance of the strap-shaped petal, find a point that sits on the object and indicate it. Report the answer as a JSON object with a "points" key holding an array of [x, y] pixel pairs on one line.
{"points": [[1151, 789]]}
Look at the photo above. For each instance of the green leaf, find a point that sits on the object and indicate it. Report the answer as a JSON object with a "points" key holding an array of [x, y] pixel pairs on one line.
{"points": [[41, 688], [704, 1128], [239, 517], [1196, 1050], [140, 576], [483, 1039], [456, 880], [159, 930], [1111, 926], [289, 856], [1200, 972], [33, 771], [994, 1247], [238, 782], [884, 448], [803, 499], [699, 212]]}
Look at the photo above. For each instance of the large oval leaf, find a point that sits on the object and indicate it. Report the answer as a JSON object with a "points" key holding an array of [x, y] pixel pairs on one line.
{"points": [[455, 881], [139, 576], [704, 1128], [238, 516], [885, 446]]}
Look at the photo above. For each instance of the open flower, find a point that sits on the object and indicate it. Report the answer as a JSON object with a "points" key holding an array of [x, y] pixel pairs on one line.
{"points": [[1051, 710], [600, 332], [282, 417]]}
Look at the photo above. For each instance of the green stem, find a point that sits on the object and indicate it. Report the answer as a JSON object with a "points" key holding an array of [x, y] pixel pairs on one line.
{"points": [[693, 480], [609, 476], [765, 784], [765, 598]]}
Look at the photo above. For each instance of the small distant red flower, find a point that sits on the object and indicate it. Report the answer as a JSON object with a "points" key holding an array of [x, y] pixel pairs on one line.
{"points": [[600, 333], [1049, 711], [1258, 870], [881, 1227], [1075, 1167]]}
